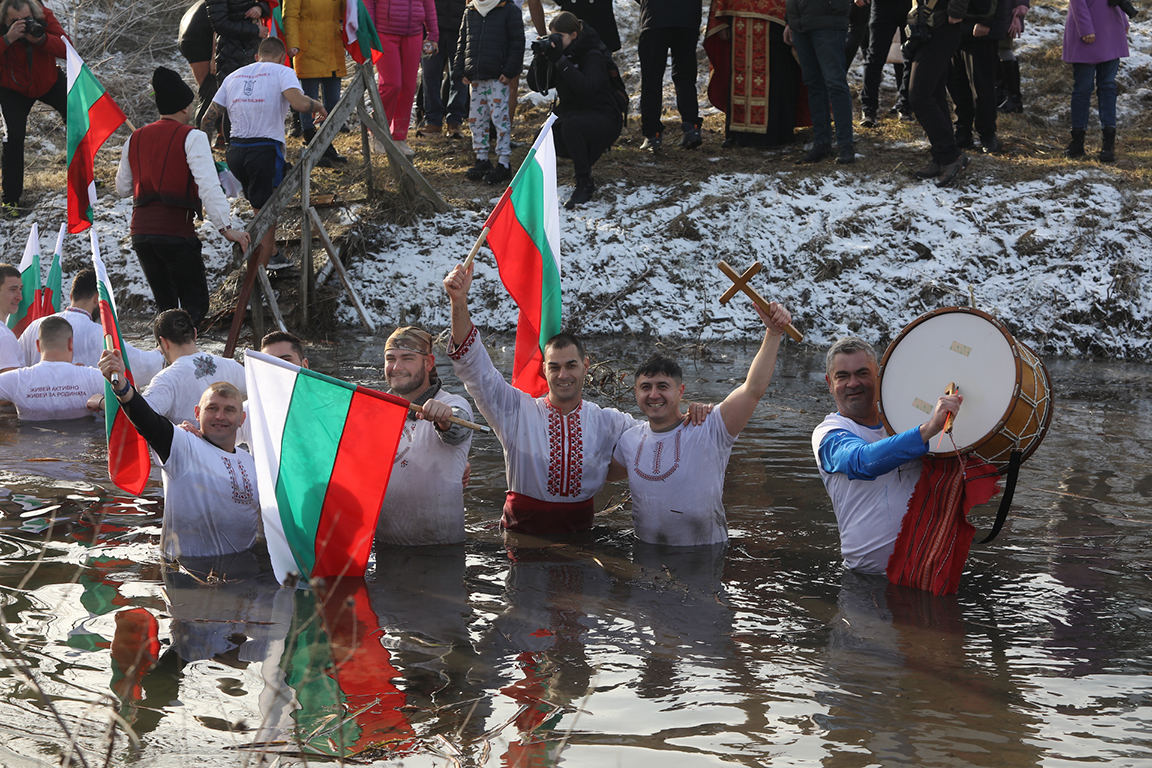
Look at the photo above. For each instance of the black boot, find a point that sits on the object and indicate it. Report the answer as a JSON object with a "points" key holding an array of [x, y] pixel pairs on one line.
{"points": [[582, 194], [1108, 149], [964, 138], [1075, 147], [1012, 101], [324, 161]]}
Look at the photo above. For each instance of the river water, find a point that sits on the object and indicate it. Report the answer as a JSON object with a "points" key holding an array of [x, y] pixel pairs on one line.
{"points": [[600, 652]]}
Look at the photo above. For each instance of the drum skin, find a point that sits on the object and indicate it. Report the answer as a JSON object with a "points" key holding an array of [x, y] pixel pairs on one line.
{"points": [[1006, 390]]}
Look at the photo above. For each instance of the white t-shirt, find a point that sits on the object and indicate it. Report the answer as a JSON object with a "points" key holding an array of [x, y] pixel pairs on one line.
{"points": [[868, 512], [88, 345], [677, 481], [50, 390], [175, 392], [254, 98], [425, 499], [10, 355], [211, 506]]}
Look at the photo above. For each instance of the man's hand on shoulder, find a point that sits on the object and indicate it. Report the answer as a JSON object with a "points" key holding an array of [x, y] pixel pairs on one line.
{"points": [[698, 413], [190, 428]]}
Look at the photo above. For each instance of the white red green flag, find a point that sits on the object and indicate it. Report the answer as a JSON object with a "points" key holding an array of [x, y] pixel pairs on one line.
{"points": [[92, 118], [323, 450], [360, 38], [524, 234], [128, 460], [54, 287], [32, 304]]}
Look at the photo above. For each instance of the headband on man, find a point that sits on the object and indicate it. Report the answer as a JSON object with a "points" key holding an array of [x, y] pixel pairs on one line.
{"points": [[410, 338]]}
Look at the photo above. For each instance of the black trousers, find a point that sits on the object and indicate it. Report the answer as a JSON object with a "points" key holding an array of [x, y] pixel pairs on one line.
{"points": [[175, 272], [653, 50], [972, 84], [584, 136], [16, 107], [928, 95], [887, 17]]}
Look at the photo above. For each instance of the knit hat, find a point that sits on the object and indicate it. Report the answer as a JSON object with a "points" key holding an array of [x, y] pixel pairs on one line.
{"points": [[172, 93]]}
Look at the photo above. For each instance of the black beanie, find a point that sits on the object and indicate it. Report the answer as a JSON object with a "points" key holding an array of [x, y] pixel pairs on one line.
{"points": [[172, 93]]}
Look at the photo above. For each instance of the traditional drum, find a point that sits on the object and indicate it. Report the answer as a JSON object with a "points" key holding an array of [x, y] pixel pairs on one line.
{"points": [[1006, 390]]}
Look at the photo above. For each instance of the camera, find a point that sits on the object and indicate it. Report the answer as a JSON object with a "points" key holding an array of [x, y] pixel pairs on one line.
{"points": [[33, 27], [542, 44], [1125, 5]]}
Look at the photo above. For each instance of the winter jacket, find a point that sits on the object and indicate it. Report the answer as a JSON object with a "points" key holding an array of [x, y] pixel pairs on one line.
{"points": [[936, 13], [600, 15], [663, 14], [491, 45], [810, 15], [237, 37], [991, 13], [1095, 17], [314, 26], [449, 15], [405, 18], [30, 68], [581, 76]]}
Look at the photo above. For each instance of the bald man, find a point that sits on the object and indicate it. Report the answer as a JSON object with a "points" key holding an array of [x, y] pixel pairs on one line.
{"points": [[54, 388]]}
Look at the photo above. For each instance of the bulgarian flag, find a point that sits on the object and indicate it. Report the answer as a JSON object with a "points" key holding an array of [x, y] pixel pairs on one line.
{"points": [[323, 451], [128, 461], [360, 36], [54, 288], [32, 303], [276, 20], [92, 118], [524, 234]]}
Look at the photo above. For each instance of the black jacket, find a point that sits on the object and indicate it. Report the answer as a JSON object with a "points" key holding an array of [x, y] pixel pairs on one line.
{"points": [[237, 37], [580, 77], [492, 45], [449, 14], [810, 15]]}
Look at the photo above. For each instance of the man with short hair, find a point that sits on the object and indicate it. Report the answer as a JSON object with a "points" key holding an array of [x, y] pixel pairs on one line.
{"points": [[53, 388], [869, 475], [286, 346], [167, 168], [257, 98], [11, 295], [557, 447], [88, 334], [175, 391], [211, 506], [676, 471], [425, 499]]}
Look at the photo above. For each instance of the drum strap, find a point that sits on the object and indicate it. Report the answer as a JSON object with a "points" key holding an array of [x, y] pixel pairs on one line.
{"points": [[1014, 461]]}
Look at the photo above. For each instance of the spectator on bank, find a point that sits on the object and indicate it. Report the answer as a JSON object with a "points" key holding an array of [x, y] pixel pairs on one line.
{"points": [[669, 28], [403, 26], [195, 40], [1009, 65], [445, 97], [597, 14], [817, 30], [972, 73], [31, 39], [885, 19], [313, 35], [239, 28], [935, 30], [1095, 39]]}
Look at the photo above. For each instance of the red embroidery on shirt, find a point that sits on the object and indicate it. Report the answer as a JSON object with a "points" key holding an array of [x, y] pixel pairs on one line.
{"points": [[239, 495], [460, 351], [656, 476], [565, 452]]}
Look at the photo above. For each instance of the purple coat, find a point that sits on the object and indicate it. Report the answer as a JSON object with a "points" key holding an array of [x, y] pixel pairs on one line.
{"points": [[1095, 17], [406, 17]]}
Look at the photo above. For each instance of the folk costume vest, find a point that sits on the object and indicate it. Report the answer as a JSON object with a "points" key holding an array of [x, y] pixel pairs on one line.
{"points": [[165, 198]]}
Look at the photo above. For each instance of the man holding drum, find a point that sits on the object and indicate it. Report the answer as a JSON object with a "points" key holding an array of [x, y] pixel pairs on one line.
{"points": [[869, 475]]}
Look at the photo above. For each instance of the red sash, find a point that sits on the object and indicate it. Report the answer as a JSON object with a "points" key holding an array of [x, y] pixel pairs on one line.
{"points": [[524, 514]]}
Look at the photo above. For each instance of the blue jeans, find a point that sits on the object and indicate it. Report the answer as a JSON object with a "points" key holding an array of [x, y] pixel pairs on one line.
{"points": [[1103, 76], [432, 76], [312, 86], [821, 54]]}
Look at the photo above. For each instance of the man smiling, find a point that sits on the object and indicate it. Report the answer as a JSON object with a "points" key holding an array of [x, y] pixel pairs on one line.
{"points": [[11, 294], [676, 471]]}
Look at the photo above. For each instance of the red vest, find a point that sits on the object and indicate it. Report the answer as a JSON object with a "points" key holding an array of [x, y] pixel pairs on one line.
{"points": [[164, 195]]}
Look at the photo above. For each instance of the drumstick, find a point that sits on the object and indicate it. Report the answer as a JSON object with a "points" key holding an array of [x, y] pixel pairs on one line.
{"points": [[951, 390]]}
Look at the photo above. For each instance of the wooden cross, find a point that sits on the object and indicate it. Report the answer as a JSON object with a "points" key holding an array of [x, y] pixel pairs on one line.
{"points": [[740, 283]]}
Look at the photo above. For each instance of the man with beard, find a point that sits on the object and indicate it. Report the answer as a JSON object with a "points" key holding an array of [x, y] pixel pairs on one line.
{"points": [[676, 471], [869, 475], [425, 499]]}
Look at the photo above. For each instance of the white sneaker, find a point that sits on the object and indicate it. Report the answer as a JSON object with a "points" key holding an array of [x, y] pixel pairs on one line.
{"points": [[406, 150]]}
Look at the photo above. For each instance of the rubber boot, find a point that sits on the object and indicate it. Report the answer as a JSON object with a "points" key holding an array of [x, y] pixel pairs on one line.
{"points": [[1075, 147], [1108, 149], [324, 161], [1012, 101]]}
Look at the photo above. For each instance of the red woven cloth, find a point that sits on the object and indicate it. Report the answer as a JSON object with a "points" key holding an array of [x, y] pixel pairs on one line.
{"points": [[935, 535]]}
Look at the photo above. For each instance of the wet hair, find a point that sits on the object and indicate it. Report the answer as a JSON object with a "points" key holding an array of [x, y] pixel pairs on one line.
{"points": [[271, 47], [566, 22], [7, 271], [175, 325], [223, 388], [84, 285], [33, 7], [54, 332], [278, 337], [561, 340], [659, 365], [848, 345]]}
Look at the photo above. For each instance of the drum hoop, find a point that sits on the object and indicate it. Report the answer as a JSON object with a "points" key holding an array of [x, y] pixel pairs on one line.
{"points": [[1051, 395], [1015, 359]]}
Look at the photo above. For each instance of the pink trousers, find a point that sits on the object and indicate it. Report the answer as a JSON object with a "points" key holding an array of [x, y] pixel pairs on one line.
{"points": [[397, 71]]}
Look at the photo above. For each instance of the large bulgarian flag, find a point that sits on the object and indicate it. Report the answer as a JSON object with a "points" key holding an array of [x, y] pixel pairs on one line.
{"points": [[360, 38], [524, 234], [32, 303], [92, 118], [128, 460], [323, 451]]}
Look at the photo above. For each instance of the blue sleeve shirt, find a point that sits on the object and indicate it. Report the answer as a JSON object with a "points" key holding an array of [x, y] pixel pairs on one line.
{"points": [[841, 451]]}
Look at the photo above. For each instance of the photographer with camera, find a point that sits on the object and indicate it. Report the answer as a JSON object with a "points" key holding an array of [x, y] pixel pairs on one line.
{"points": [[31, 39], [589, 106]]}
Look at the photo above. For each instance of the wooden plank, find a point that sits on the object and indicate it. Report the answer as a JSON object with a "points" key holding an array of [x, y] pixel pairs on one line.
{"points": [[339, 267], [266, 287], [305, 245]]}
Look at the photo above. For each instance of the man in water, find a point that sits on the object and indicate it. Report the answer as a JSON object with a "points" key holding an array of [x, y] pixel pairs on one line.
{"points": [[869, 475], [11, 295], [54, 388]]}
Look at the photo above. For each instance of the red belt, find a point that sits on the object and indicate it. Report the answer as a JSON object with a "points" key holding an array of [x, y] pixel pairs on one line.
{"points": [[525, 514]]}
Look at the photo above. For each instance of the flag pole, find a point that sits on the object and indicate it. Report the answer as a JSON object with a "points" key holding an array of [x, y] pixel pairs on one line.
{"points": [[453, 419], [476, 248]]}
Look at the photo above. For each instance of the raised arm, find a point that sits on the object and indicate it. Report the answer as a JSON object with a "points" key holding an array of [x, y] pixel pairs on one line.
{"points": [[153, 427], [456, 285], [738, 407]]}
